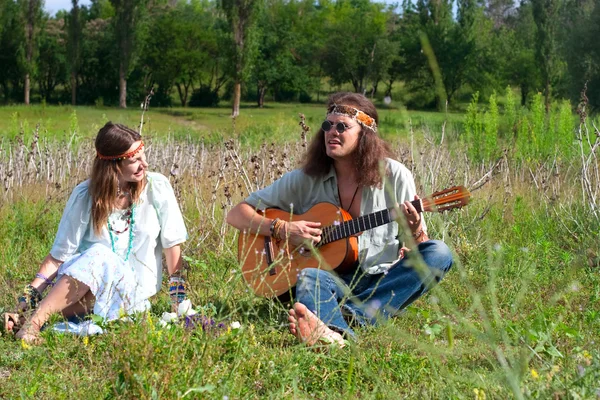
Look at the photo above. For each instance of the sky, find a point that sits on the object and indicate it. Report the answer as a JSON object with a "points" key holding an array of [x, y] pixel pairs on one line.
{"points": [[52, 6]]}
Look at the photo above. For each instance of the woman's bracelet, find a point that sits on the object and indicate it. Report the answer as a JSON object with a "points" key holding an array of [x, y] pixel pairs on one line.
{"points": [[45, 279], [177, 289], [31, 296]]}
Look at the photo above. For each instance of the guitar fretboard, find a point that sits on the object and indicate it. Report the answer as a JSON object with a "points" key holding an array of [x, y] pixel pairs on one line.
{"points": [[354, 226]]}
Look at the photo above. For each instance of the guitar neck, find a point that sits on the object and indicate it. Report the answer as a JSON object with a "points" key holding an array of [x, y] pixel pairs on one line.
{"points": [[352, 227]]}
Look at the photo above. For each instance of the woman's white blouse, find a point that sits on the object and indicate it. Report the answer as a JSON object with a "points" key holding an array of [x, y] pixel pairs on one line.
{"points": [[156, 216]]}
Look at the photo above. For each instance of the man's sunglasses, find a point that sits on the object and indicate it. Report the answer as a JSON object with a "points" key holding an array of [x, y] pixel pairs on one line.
{"points": [[340, 127]]}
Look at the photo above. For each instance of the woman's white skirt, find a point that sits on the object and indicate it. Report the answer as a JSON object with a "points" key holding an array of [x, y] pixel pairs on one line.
{"points": [[112, 281]]}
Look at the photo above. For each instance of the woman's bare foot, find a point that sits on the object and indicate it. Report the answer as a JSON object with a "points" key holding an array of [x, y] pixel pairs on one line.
{"points": [[29, 333], [13, 322], [309, 329]]}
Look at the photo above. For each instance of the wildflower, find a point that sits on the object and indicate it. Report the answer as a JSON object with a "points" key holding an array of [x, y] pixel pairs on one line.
{"points": [[185, 308], [479, 394], [86, 340], [24, 345], [534, 374], [168, 317], [235, 325]]}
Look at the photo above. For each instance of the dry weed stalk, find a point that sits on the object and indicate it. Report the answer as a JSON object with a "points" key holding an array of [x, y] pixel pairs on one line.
{"points": [[590, 173], [211, 178]]}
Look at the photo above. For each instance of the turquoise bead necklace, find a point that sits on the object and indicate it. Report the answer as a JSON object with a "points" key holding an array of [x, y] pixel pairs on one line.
{"points": [[131, 227]]}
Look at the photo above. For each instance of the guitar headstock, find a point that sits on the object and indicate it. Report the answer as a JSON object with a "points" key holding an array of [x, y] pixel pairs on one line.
{"points": [[447, 199]]}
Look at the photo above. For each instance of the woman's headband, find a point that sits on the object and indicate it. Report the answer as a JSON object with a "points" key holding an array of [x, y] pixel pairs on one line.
{"points": [[359, 116], [123, 156]]}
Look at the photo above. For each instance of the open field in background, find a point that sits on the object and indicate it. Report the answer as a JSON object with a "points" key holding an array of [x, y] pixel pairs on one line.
{"points": [[517, 317], [274, 122]]}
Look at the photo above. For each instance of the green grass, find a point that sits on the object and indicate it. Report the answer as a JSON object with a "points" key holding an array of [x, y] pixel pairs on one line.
{"points": [[275, 122], [520, 292], [518, 316]]}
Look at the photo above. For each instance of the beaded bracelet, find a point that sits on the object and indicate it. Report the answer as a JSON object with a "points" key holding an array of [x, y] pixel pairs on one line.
{"points": [[177, 289], [272, 226], [31, 296]]}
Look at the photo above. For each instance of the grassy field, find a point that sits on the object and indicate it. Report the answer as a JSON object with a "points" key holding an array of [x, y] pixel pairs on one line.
{"points": [[518, 316], [273, 122]]}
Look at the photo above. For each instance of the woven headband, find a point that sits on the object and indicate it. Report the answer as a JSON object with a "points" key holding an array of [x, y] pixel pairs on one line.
{"points": [[121, 156], [354, 113]]}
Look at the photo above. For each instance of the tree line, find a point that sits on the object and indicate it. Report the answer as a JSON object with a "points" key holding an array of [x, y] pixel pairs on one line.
{"points": [[201, 52]]}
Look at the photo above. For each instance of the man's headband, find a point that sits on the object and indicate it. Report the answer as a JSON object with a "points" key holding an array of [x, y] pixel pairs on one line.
{"points": [[354, 113], [121, 156]]}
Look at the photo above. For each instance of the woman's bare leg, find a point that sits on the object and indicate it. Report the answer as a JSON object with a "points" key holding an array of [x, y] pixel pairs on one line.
{"points": [[83, 307], [66, 292]]}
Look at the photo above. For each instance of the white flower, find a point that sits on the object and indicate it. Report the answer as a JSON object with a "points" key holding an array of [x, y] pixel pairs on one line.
{"points": [[235, 325], [162, 323], [185, 309], [168, 317]]}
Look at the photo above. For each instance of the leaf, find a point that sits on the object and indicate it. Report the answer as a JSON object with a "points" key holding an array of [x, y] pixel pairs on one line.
{"points": [[201, 389]]}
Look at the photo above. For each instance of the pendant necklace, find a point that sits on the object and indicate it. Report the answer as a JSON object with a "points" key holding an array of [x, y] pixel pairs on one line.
{"points": [[351, 202], [131, 224]]}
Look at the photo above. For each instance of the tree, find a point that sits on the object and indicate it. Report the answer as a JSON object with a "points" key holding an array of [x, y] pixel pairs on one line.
{"points": [[582, 49], [356, 55], [522, 67], [52, 60], [499, 11], [128, 28], [11, 41], [182, 49], [32, 14], [74, 46], [438, 51], [545, 15], [281, 62], [240, 16]]}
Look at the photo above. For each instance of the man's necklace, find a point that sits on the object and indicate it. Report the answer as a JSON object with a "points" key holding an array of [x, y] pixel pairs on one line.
{"points": [[352, 201]]}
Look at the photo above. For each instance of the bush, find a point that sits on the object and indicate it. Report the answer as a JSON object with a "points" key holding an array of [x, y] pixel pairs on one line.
{"points": [[204, 97], [304, 97]]}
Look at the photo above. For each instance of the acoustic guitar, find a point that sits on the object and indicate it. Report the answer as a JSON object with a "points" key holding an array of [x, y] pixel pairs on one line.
{"points": [[271, 267]]}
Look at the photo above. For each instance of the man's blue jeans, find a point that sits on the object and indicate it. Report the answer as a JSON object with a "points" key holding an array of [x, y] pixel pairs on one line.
{"points": [[365, 298]]}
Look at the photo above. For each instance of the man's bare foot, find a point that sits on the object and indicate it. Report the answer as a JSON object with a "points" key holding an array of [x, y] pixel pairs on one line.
{"points": [[309, 329]]}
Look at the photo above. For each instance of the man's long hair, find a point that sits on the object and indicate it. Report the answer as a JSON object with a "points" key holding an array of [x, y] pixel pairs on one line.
{"points": [[112, 140], [371, 149]]}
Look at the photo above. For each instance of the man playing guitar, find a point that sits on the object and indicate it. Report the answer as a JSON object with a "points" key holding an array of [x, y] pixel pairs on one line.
{"points": [[348, 165]]}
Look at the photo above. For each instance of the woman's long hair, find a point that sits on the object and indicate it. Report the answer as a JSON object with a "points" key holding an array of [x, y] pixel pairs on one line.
{"points": [[371, 149], [112, 140]]}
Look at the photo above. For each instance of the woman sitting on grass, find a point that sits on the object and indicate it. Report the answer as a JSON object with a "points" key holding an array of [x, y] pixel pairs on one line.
{"points": [[107, 256]]}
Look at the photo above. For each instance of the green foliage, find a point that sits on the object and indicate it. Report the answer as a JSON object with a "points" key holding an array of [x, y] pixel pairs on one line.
{"points": [[510, 113], [516, 316], [491, 123], [474, 129]]}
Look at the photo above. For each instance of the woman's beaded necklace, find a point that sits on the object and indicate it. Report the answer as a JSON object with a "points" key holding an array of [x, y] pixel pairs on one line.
{"points": [[131, 223]]}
